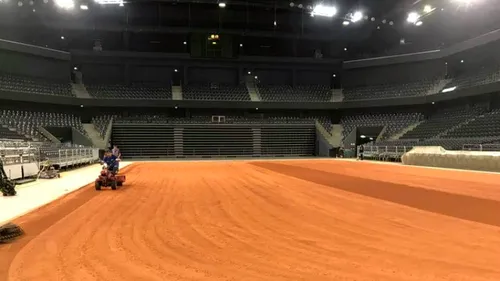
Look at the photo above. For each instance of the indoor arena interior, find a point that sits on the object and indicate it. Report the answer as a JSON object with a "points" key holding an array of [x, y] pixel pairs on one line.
{"points": [[267, 220], [249, 140]]}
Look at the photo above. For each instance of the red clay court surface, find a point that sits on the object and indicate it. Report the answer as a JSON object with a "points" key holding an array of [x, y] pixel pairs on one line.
{"points": [[291, 220]]}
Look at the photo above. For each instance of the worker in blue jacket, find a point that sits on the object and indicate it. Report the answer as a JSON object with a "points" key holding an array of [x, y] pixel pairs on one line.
{"points": [[111, 161]]}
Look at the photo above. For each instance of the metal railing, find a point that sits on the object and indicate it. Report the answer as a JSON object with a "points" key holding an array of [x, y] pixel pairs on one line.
{"points": [[482, 147], [386, 149], [13, 153], [76, 156]]}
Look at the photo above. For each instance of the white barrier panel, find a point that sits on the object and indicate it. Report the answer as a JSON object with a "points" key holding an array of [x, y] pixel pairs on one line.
{"points": [[15, 171], [437, 156]]}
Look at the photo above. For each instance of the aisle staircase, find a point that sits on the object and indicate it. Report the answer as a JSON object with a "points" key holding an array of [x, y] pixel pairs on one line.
{"points": [[405, 130], [94, 136], [177, 93], [253, 91], [337, 95], [80, 91]]}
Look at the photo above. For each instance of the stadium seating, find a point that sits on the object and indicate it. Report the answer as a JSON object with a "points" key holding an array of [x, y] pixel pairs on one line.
{"points": [[443, 120], [475, 77], [27, 122], [6, 134], [134, 91], [215, 92], [483, 126], [395, 122], [419, 88], [22, 84], [301, 93], [101, 123]]}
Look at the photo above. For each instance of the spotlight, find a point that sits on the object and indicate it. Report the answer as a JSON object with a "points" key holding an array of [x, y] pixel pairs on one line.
{"points": [[274, 23], [462, 61], [185, 43], [62, 37], [334, 75], [372, 19], [324, 11], [65, 4], [222, 5], [20, 3], [176, 70], [357, 16], [419, 23], [84, 7], [346, 22], [75, 68], [256, 77], [121, 4], [428, 9], [249, 73], [413, 17], [241, 45], [345, 49]]}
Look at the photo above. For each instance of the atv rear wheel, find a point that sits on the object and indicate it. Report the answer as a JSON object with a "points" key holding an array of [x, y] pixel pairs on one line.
{"points": [[113, 185], [119, 183]]}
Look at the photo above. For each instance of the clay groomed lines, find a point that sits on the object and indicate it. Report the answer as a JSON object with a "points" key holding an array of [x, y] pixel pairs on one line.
{"points": [[455, 205], [37, 221]]}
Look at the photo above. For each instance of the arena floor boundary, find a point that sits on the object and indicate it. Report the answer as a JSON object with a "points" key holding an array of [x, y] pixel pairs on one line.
{"points": [[249, 220]]}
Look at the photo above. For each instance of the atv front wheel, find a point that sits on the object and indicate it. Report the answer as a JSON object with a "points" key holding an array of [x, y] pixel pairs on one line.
{"points": [[97, 185], [113, 185]]}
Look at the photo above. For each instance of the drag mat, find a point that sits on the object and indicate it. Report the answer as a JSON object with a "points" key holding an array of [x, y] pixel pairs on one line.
{"points": [[36, 221], [235, 221], [454, 205]]}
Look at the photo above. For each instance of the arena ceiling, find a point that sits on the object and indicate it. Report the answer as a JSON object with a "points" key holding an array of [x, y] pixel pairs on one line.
{"points": [[382, 27]]}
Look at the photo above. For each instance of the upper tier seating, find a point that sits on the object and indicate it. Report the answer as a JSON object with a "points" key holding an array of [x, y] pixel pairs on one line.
{"points": [[27, 122], [395, 122], [216, 92], [135, 91], [419, 88], [301, 93], [443, 120], [474, 78], [14, 83]]}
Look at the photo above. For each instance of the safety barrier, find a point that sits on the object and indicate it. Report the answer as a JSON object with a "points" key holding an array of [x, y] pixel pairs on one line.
{"points": [[437, 156], [482, 147], [23, 159], [385, 153]]}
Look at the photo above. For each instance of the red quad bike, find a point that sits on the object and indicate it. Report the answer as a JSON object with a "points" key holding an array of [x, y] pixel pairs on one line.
{"points": [[107, 179]]}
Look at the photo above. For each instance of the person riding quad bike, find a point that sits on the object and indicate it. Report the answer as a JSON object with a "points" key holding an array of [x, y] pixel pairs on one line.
{"points": [[111, 161]]}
